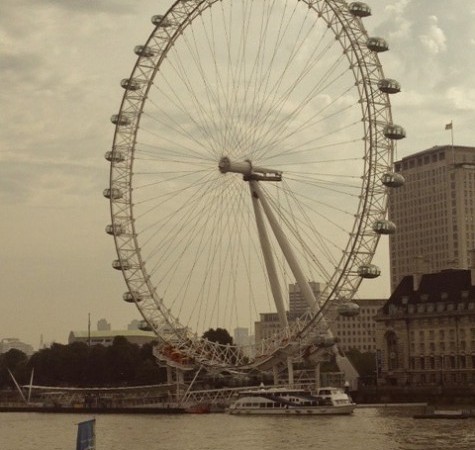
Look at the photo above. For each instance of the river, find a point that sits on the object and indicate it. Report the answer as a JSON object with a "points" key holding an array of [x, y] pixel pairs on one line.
{"points": [[390, 428]]}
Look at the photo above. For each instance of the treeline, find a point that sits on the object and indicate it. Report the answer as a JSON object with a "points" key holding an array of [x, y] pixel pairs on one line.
{"points": [[77, 364], [121, 364]]}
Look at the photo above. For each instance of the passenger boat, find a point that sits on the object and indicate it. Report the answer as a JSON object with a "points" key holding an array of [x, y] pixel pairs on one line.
{"points": [[285, 401]]}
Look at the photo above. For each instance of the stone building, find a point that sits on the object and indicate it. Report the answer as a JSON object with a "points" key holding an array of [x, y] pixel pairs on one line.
{"points": [[425, 332]]}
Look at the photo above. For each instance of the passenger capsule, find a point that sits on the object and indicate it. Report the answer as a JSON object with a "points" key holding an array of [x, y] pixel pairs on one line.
{"points": [[112, 193], [132, 297], [120, 120], [129, 84], [359, 9], [369, 271], [114, 229], [348, 309], [393, 179], [389, 86], [160, 21], [325, 341], [384, 227], [142, 50], [114, 156], [117, 265], [377, 44], [394, 132]]}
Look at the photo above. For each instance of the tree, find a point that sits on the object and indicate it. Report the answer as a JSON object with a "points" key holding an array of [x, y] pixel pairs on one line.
{"points": [[15, 361], [77, 364], [220, 335], [122, 359]]}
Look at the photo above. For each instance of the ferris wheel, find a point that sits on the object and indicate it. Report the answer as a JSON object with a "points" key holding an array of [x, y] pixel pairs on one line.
{"points": [[253, 152]]}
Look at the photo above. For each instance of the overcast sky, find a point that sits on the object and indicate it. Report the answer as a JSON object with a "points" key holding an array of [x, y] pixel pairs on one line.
{"points": [[61, 63]]}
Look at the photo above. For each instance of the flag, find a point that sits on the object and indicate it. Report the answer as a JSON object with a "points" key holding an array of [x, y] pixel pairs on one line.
{"points": [[86, 438], [448, 126]]}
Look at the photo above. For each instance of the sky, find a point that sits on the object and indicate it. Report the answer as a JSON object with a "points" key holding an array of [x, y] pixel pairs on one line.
{"points": [[61, 62]]}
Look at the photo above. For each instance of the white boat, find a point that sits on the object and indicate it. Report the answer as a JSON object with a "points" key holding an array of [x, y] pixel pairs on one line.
{"points": [[287, 401]]}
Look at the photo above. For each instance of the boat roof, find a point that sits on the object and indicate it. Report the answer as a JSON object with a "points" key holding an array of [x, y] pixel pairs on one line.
{"points": [[285, 390]]}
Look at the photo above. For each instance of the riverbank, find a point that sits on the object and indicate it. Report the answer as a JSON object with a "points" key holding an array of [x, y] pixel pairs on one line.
{"points": [[432, 395], [22, 408]]}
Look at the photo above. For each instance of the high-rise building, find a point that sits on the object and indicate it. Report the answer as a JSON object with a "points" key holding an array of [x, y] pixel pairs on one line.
{"points": [[297, 304], [434, 212]]}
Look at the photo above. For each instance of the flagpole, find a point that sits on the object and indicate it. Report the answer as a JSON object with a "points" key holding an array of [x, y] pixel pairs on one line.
{"points": [[89, 330], [452, 136], [450, 126]]}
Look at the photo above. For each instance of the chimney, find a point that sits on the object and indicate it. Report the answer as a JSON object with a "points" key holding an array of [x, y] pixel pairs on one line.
{"points": [[418, 272], [472, 265]]}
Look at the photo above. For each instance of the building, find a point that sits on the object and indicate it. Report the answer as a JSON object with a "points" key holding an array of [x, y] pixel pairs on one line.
{"points": [[297, 304], [269, 325], [241, 337], [425, 332], [134, 324], [103, 325], [434, 212], [7, 344], [243, 340], [106, 337], [359, 332]]}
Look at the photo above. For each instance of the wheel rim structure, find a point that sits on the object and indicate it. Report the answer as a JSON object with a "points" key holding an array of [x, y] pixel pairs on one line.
{"points": [[291, 86]]}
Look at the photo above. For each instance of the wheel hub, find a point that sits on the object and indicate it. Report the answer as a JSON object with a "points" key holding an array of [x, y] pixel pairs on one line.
{"points": [[248, 170]]}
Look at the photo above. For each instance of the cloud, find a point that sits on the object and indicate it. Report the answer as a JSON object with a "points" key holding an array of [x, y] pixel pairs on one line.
{"points": [[61, 62], [83, 6], [461, 98], [434, 39]]}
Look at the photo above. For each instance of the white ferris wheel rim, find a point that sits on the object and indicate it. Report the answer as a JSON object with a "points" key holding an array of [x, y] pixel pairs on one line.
{"points": [[131, 154]]}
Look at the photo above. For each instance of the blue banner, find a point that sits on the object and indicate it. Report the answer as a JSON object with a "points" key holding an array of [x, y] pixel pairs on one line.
{"points": [[86, 439]]}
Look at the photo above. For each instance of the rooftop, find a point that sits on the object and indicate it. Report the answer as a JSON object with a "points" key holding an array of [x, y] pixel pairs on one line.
{"points": [[449, 286]]}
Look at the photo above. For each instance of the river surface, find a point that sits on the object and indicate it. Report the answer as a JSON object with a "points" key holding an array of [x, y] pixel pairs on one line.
{"points": [[390, 428]]}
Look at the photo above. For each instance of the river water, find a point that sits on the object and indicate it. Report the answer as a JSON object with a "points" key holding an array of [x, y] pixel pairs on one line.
{"points": [[390, 428]]}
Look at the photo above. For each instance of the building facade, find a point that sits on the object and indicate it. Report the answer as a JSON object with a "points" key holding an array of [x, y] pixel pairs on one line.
{"points": [[103, 325], [297, 304], [434, 212], [359, 332], [425, 333], [269, 324]]}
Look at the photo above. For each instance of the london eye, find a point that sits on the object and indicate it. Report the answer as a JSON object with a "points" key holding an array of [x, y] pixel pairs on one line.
{"points": [[253, 150]]}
